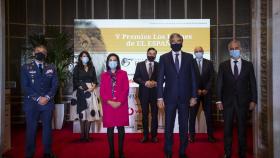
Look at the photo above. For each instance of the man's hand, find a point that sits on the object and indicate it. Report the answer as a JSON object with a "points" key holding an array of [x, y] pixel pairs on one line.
{"points": [[148, 84], [193, 102], [204, 92], [43, 101], [154, 84], [220, 106], [160, 104], [252, 105]]}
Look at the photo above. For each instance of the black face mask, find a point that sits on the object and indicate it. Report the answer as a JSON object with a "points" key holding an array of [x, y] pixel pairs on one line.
{"points": [[151, 58], [176, 47], [40, 56]]}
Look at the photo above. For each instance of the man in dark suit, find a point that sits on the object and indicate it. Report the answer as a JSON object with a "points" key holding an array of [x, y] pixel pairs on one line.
{"points": [[204, 71], [146, 76], [39, 84], [237, 94], [176, 70]]}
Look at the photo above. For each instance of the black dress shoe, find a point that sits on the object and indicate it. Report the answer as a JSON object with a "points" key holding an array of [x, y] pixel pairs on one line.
{"points": [[168, 156], [192, 139], [154, 140], [183, 156], [211, 139], [51, 155], [227, 156], [242, 155], [144, 140], [112, 155], [121, 155]]}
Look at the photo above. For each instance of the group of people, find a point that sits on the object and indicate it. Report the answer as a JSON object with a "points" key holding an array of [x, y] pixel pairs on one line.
{"points": [[178, 83]]}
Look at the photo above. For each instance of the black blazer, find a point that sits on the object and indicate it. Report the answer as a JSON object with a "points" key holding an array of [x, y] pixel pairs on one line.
{"points": [[244, 87], [141, 76], [205, 80]]}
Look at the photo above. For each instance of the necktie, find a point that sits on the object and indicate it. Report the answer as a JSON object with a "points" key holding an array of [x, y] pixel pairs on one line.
{"points": [[150, 70], [199, 67], [235, 70], [177, 62], [41, 68]]}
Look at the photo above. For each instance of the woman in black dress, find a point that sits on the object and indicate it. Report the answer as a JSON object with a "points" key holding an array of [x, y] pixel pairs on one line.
{"points": [[84, 84]]}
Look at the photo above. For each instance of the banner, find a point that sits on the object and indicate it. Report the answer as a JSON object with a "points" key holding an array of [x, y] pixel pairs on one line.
{"points": [[130, 39]]}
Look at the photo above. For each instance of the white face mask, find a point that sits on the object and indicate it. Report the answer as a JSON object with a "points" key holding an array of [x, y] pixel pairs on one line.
{"points": [[85, 60]]}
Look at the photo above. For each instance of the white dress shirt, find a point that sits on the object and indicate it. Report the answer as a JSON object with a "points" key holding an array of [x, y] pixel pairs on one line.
{"points": [[147, 62], [239, 64], [179, 57]]}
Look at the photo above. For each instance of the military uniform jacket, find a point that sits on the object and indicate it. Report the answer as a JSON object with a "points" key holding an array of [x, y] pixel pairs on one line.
{"points": [[36, 83]]}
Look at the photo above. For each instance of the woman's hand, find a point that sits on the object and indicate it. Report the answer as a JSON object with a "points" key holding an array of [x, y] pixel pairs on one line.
{"points": [[114, 104]]}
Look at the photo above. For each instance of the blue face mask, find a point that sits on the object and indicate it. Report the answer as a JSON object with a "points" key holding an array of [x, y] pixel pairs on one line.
{"points": [[235, 53], [199, 55], [85, 60], [113, 65]]}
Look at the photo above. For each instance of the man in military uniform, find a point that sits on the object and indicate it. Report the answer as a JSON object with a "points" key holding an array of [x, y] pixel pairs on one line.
{"points": [[39, 83]]}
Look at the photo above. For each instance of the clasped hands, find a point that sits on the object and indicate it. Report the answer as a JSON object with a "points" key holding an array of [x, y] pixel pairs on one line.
{"points": [[43, 100], [150, 84], [202, 92], [114, 104]]}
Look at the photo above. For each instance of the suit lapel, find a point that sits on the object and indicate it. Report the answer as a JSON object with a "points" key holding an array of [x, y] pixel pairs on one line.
{"points": [[228, 66], [182, 61], [145, 69], [172, 61], [243, 66]]}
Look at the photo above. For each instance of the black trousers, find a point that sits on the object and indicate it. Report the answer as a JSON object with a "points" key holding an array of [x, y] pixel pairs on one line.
{"points": [[207, 108], [240, 111], [110, 136], [145, 105]]}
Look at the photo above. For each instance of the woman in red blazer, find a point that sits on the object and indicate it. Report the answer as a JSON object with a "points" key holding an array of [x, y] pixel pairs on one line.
{"points": [[114, 88]]}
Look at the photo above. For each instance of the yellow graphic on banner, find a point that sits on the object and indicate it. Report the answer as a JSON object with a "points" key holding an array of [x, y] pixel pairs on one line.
{"points": [[130, 40]]}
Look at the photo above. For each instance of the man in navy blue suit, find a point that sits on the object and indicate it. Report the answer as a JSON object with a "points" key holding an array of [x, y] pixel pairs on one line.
{"points": [[176, 70], [39, 83]]}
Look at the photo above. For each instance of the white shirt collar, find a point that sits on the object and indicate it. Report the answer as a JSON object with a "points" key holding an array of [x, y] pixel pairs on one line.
{"points": [[179, 52], [232, 60]]}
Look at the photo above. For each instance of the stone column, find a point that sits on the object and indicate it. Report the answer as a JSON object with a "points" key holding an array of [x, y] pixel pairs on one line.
{"points": [[266, 58], [2, 71], [276, 75]]}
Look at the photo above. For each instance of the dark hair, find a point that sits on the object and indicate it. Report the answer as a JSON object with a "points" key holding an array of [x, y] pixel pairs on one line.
{"points": [[151, 48], [118, 60], [80, 63]]}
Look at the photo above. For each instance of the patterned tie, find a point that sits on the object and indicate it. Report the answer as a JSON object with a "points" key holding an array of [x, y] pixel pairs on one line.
{"points": [[177, 62], [199, 66], [41, 68], [235, 69], [150, 70]]}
